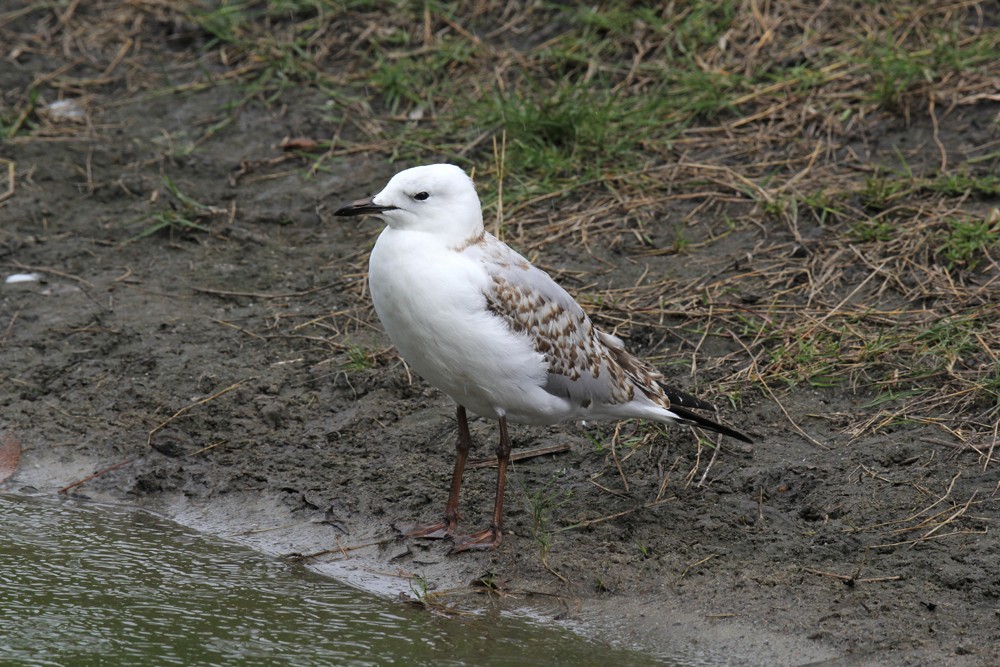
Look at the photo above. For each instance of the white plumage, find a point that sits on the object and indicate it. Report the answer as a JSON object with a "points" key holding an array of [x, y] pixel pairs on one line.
{"points": [[499, 336]]}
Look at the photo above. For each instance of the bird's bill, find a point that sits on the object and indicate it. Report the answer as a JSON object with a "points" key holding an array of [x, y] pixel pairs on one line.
{"points": [[362, 207]]}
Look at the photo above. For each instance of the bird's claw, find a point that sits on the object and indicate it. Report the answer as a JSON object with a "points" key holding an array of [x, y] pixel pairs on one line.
{"points": [[435, 531], [484, 539]]}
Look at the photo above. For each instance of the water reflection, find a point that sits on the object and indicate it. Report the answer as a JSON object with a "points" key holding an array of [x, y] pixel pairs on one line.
{"points": [[88, 585]]}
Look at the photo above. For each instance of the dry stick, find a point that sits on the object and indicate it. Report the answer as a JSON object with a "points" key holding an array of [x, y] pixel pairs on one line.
{"points": [[993, 444], [715, 452], [45, 269], [265, 295], [10, 180], [341, 549], [10, 328], [500, 158], [704, 335], [89, 172], [665, 481], [208, 447], [914, 542], [937, 137], [10, 455], [761, 192], [149, 438], [545, 563], [602, 519], [843, 302], [697, 464], [774, 398], [799, 176], [593, 481], [957, 513], [67, 15], [695, 564], [914, 516], [760, 506], [928, 521], [236, 327], [491, 462], [848, 577], [119, 57], [97, 474], [614, 455]]}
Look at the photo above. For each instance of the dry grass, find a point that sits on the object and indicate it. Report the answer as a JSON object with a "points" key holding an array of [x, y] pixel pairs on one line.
{"points": [[831, 166]]}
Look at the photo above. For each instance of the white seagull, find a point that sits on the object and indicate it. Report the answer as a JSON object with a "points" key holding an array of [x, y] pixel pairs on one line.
{"points": [[496, 334]]}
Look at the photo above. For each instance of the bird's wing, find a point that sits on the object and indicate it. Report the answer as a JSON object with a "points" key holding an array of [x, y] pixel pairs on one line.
{"points": [[585, 365]]}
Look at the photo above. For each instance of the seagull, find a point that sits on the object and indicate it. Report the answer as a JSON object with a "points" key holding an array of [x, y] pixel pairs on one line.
{"points": [[495, 333]]}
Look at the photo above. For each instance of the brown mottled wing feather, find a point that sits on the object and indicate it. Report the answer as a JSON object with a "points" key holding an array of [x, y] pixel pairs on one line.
{"points": [[586, 365]]}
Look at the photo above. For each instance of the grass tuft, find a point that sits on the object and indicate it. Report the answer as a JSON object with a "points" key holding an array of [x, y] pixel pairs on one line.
{"points": [[807, 190]]}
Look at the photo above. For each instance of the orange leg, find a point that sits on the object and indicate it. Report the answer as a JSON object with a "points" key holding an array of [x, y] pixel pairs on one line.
{"points": [[446, 527], [492, 536]]}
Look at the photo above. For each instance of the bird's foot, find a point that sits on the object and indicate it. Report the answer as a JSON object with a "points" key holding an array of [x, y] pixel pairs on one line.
{"points": [[484, 539], [434, 531]]}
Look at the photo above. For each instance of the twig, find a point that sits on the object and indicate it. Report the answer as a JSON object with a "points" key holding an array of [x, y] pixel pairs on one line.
{"points": [[207, 447], [614, 455], [10, 454], [55, 272], [993, 444], [98, 474], [154, 431], [695, 564], [591, 522], [265, 295], [715, 453], [341, 549], [850, 578], [4, 196], [774, 398], [491, 462]]}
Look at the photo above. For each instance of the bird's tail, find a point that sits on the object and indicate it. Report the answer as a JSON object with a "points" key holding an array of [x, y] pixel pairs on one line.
{"points": [[685, 416]]}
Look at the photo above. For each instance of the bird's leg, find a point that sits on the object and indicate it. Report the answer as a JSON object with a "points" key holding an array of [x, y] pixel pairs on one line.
{"points": [[447, 526], [492, 536]]}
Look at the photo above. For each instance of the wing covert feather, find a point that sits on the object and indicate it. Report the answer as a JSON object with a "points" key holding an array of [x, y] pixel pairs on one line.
{"points": [[585, 365]]}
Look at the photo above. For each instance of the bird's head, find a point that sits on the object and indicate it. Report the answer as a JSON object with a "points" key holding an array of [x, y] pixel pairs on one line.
{"points": [[438, 198]]}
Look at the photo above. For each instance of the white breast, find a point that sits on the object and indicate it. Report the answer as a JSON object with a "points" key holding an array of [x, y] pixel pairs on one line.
{"points": [[431, 302]]}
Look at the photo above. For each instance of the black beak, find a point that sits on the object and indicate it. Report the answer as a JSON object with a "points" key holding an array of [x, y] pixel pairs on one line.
{"points": [[361, 207]]}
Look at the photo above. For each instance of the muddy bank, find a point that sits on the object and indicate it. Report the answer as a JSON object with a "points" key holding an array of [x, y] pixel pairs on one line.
{"points": [[200, 334], [268, 427]]}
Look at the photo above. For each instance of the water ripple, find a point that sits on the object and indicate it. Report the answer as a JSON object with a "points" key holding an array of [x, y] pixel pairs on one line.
{"points": [[86, 585]]}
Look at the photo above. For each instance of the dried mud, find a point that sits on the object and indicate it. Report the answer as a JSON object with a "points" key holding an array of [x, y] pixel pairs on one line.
{"points": [[279, 416]]}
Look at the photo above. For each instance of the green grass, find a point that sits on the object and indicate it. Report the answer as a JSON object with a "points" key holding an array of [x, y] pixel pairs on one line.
{"points": [[19, 119], [358, 359], [595, 103], [967, 242], [183, 214], [872, 230], [559, 106], [900, 69], [542, 501], [958, 184]]}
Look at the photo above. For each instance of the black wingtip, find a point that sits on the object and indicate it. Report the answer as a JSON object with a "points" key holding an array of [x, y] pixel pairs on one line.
{"points": [[678, 397], [694, 419]]}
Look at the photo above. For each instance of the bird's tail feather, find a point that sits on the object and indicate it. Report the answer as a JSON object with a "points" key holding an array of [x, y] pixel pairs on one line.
{"points": [[685, 416], [676, 396]]}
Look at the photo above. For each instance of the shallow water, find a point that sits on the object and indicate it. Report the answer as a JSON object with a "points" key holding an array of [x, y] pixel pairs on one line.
{"points": [[83, 584]]}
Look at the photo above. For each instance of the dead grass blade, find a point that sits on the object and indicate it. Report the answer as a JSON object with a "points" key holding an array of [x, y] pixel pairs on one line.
{"points": [[188, 408]]}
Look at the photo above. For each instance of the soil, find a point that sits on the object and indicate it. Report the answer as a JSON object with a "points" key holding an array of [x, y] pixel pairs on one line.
{"points": [[234, 377]]}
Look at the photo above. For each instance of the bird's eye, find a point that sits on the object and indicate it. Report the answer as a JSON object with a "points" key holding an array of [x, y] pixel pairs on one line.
{"points": [[420, 196]]}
